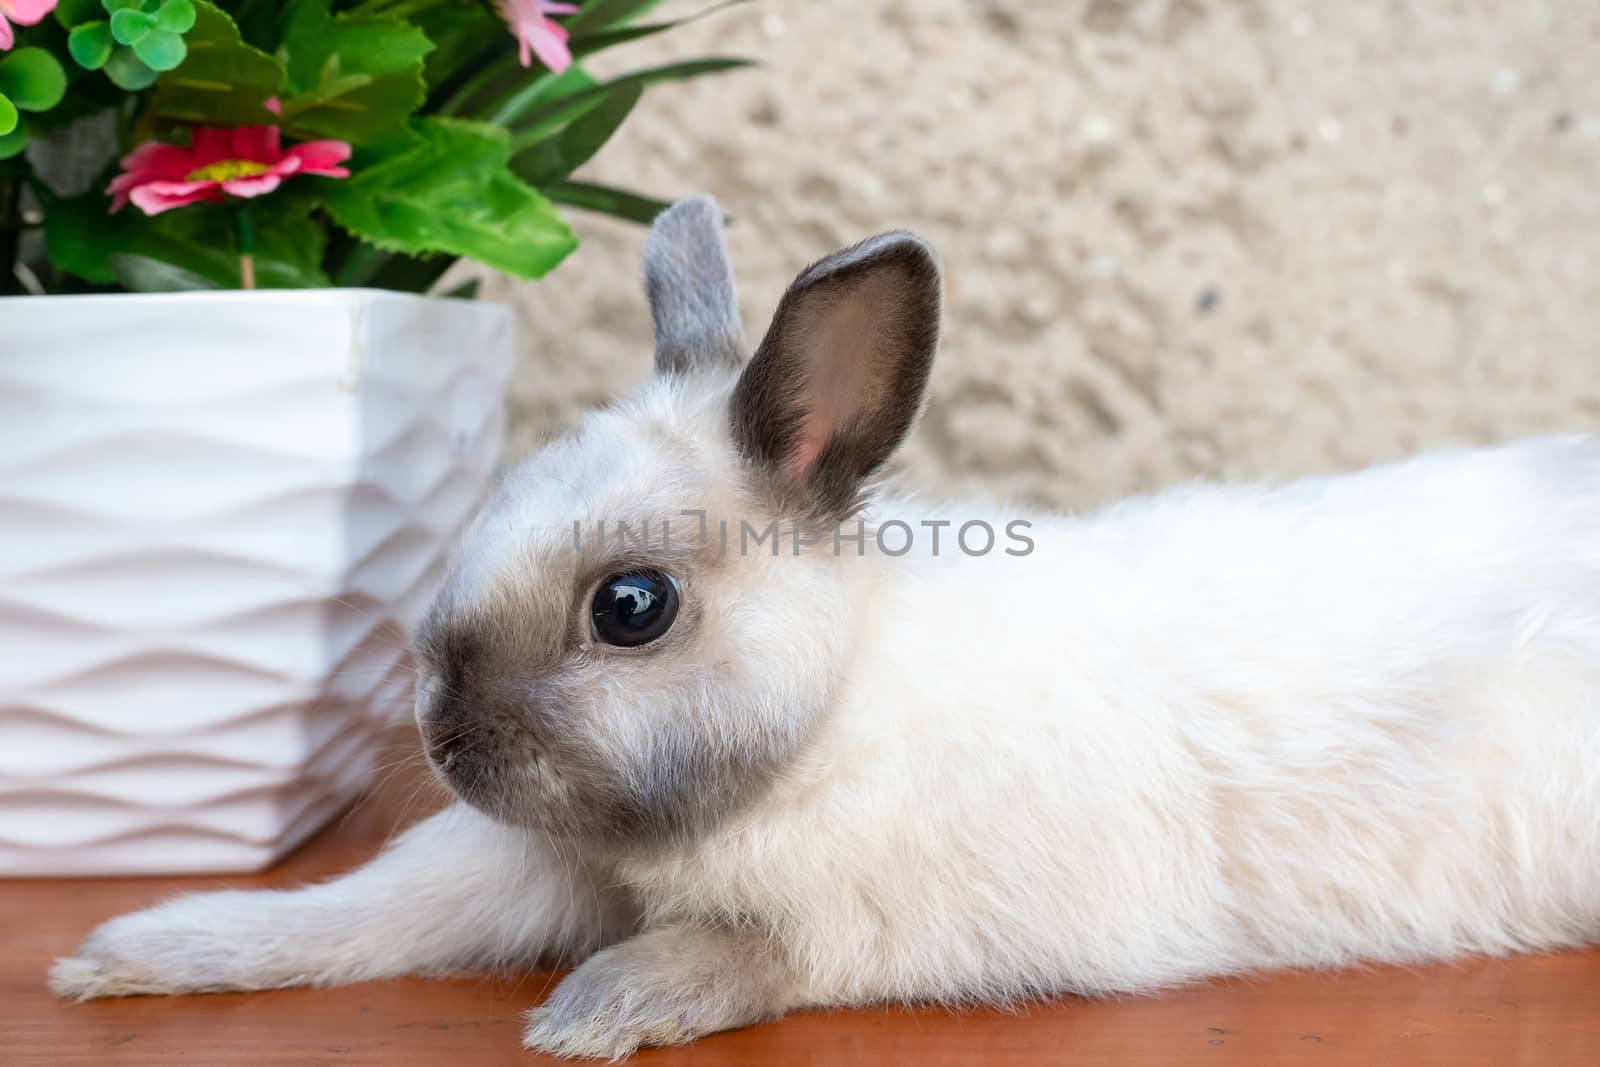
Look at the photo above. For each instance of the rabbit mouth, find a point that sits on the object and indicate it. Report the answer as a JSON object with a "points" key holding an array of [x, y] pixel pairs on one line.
{"points": [[478, 779], [452, 759]]}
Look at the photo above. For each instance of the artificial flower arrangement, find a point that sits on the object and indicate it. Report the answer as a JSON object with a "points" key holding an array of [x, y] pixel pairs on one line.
{"points": [[308, 143]]}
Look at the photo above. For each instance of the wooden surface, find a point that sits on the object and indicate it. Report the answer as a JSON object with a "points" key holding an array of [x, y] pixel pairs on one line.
{"points": [[1543, 1010]]}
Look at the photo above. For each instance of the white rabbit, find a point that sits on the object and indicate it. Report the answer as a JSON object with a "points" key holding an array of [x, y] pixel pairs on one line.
{"points": [[1213, 730]]}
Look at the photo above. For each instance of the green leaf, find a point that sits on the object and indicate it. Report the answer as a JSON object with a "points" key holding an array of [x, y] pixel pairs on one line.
{"points": [[128, 71], [111, 7], [587, 44], [556, 157], [33, 79], [70, 13], [410, 274], [13, 141], [80, 239], [156, 37], [176, 16], [90, 44], [544, 119], [601, 14], [460, 34], [8, 115], [541, 87], [161, 50], [187, 247], [258, 21], [130, 26], [352, 77], [141, 274], [223, 82], [607, 200], [449, 191]]}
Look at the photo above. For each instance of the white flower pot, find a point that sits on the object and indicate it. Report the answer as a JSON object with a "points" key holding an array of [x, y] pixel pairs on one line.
{"points": [[221, 514]]}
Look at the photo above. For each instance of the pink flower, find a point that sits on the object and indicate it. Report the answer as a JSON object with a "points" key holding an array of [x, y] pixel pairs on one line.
{"points": [[242, 161], [537, 34], [24, 13]]}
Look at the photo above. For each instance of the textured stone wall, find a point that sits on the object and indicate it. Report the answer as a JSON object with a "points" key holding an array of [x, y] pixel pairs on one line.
{"points": [[1182, 237]]}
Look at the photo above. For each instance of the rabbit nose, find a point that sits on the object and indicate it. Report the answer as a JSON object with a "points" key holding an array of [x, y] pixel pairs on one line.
{"points": [[444, 720]]}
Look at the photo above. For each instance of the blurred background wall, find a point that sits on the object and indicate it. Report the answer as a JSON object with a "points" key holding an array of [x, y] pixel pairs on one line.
{"points": [[1182, 237]]}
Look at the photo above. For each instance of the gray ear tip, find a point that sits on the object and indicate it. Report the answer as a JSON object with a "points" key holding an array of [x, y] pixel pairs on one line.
{"points": [[703, 202], [695, 212], [690, 287]]}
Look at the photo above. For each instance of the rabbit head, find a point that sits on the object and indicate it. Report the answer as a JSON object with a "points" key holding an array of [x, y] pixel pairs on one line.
{"points": [[635, 638]]}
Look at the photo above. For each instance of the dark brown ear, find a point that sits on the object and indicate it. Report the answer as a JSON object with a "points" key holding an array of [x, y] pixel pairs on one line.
{"points": [[840, 376]]}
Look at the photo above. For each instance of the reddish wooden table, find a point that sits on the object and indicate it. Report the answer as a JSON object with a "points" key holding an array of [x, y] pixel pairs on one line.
{"points": [[1543, 1010]]}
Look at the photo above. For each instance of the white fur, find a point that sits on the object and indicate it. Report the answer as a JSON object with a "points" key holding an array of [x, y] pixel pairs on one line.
{"points": [[455, 891], [1217, 729], [1353, 718]]}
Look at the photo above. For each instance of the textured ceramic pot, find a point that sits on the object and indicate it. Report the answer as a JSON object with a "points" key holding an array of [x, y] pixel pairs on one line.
{"points": [[221, 514]]}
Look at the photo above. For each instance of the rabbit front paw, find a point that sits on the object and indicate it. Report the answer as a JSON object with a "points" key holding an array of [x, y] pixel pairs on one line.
{"points": [[143, 953], [664, 987], [200, 943]]}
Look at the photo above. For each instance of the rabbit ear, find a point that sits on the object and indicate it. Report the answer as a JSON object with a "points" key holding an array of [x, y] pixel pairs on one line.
{"points": [[839, 378], [690, 286]]}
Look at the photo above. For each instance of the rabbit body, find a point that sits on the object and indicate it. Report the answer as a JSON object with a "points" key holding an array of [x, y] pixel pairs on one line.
{"points": [[1206, 731], [1220, 728]]}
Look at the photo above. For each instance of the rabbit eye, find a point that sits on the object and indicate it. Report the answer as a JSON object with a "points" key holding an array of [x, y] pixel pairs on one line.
{"points": [[634, 608]]}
